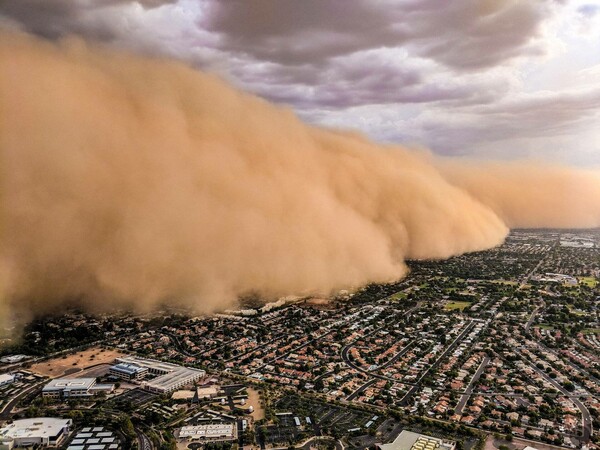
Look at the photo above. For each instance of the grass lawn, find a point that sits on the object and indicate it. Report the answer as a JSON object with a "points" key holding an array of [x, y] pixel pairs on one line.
{"points": [[456, 305], [397, 296], [591, 331], [575, 311], [590, 281], [506, 282]]}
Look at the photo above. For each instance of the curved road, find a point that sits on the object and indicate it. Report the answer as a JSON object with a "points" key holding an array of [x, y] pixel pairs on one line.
{"points": [[8, 407], [585, 414], [144, 442]]}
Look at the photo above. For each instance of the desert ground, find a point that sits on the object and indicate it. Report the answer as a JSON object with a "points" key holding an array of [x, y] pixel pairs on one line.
{"points": [[73, 364], [254, 400]]}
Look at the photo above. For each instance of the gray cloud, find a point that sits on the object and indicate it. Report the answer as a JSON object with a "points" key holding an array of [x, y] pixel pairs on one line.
{"points": [[475, 33], [466, 33], [547, 115], [362, 78], [448, 75], [56, 18], [295, 32]]}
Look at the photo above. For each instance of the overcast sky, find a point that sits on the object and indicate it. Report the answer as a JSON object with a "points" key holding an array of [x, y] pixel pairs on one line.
{"points": [[481, 78]]}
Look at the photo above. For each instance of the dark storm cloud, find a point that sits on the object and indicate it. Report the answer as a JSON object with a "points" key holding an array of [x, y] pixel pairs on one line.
{"points": [[56, 18], [294, 32], [466, 33], [473, 34], [321, 53], [422, 71], [462, 33], [339, 54]]}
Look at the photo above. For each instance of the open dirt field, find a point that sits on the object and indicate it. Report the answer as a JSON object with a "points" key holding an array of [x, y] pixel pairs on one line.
{"points": [[72, 364], [254, 400]]}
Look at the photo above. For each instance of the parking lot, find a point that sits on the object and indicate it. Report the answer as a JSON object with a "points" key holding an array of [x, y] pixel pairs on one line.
{"points": [[135, 398], [336, 419]]}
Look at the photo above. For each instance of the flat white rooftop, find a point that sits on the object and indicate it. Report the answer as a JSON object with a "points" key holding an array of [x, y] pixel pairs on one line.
{"points": [[40, 427], [171, 376], [129, 368], [209, 431], [6, 377], [70, 383], [408, 440]]}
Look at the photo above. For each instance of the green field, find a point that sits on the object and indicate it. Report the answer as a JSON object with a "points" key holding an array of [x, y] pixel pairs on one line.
{"points": [[506, 282], [456, 305], [590, 281], [397, 296], [577, 312], [591, 331]]}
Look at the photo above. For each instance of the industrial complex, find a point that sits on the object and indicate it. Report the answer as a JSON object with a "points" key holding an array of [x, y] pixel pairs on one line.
{"points": [[209, 432], [169, 377], [408, 440]]}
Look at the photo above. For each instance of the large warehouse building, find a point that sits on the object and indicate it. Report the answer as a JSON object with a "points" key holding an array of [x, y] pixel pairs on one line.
{"points": [[169, 377], [6, 378], [408, 440], [42, 431], [209, 432]]}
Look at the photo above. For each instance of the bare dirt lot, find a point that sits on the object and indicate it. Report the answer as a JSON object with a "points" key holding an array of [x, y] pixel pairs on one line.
{"points": [[254, 400], [72, 364]]}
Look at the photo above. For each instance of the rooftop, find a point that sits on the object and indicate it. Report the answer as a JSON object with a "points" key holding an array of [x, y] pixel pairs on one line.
{"points": [[47, 427], [207, 431], [4, 377], [129, 368], [408, 440], [69, 384], [170, 374]]}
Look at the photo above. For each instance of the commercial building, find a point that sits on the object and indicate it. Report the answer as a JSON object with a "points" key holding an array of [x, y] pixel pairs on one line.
{"points": [[128, 371], [12, 359], [42, 431], [6, 378], [74, 388], [209, 432], [169, 377], [408, 440]]}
